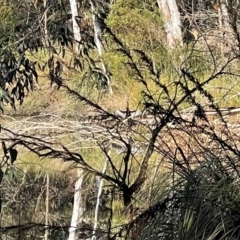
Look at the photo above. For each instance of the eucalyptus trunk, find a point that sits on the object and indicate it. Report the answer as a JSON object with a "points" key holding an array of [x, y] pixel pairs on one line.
{"points": [[223, 23], [78, 204], [99, 183], [76, 27], [47, 208], [171, 17], [99, 26]]}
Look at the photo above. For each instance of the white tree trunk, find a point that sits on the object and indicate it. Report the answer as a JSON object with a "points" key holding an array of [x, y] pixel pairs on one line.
{"points": [[47, 208], [99, 182], [45, 23], [76, 28], [78, 207], [223, 16], [171, 17], [98, 32], [223, 24]]}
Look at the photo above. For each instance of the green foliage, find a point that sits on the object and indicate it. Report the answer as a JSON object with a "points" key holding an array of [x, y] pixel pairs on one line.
{"points": [[194, 203], [5, 10], [4, 97], [16, 69], [204, 205], [138, 24], [21, 35]]}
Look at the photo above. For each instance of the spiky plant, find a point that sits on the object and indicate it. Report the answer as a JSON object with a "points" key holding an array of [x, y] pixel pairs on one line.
{"points": [[204, 205]]}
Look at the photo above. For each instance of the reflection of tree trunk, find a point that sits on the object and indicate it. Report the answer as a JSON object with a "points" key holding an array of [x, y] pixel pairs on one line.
{"points": [[171, 17], [99, 184], [47, 207], [78, 206]]}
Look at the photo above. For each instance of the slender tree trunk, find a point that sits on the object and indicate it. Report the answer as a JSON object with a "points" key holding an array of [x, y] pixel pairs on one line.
{"points": [[223, 23], [98, 34], [45, 22], [76, 28], [78, 206], [99, 181], [47, 207], [171, 17], [223, 15]]}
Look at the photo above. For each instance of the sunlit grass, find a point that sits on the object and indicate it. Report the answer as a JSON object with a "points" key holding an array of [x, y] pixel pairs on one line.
{"points": [[30, 162]]}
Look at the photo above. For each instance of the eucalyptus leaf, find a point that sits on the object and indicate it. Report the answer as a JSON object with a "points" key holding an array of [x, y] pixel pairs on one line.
{"points": [[13, 154], [4, 148], [1, 175]]}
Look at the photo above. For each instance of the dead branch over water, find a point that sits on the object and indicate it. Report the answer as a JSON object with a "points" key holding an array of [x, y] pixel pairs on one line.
{"points": [[180, 133]]}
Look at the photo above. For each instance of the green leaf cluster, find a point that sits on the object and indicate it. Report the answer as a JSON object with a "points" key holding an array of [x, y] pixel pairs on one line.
{"points": [[9, 157], [138, 24]]}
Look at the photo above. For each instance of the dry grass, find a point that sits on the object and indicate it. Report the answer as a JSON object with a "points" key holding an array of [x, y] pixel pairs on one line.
{"points": [[195, 142]]}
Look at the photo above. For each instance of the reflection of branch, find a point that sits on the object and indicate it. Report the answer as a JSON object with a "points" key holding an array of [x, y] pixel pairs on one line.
{"points": [[27, 226]]}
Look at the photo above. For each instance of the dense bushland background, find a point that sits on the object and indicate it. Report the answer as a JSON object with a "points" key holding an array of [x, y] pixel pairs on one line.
{"points": [[72, 167]]}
